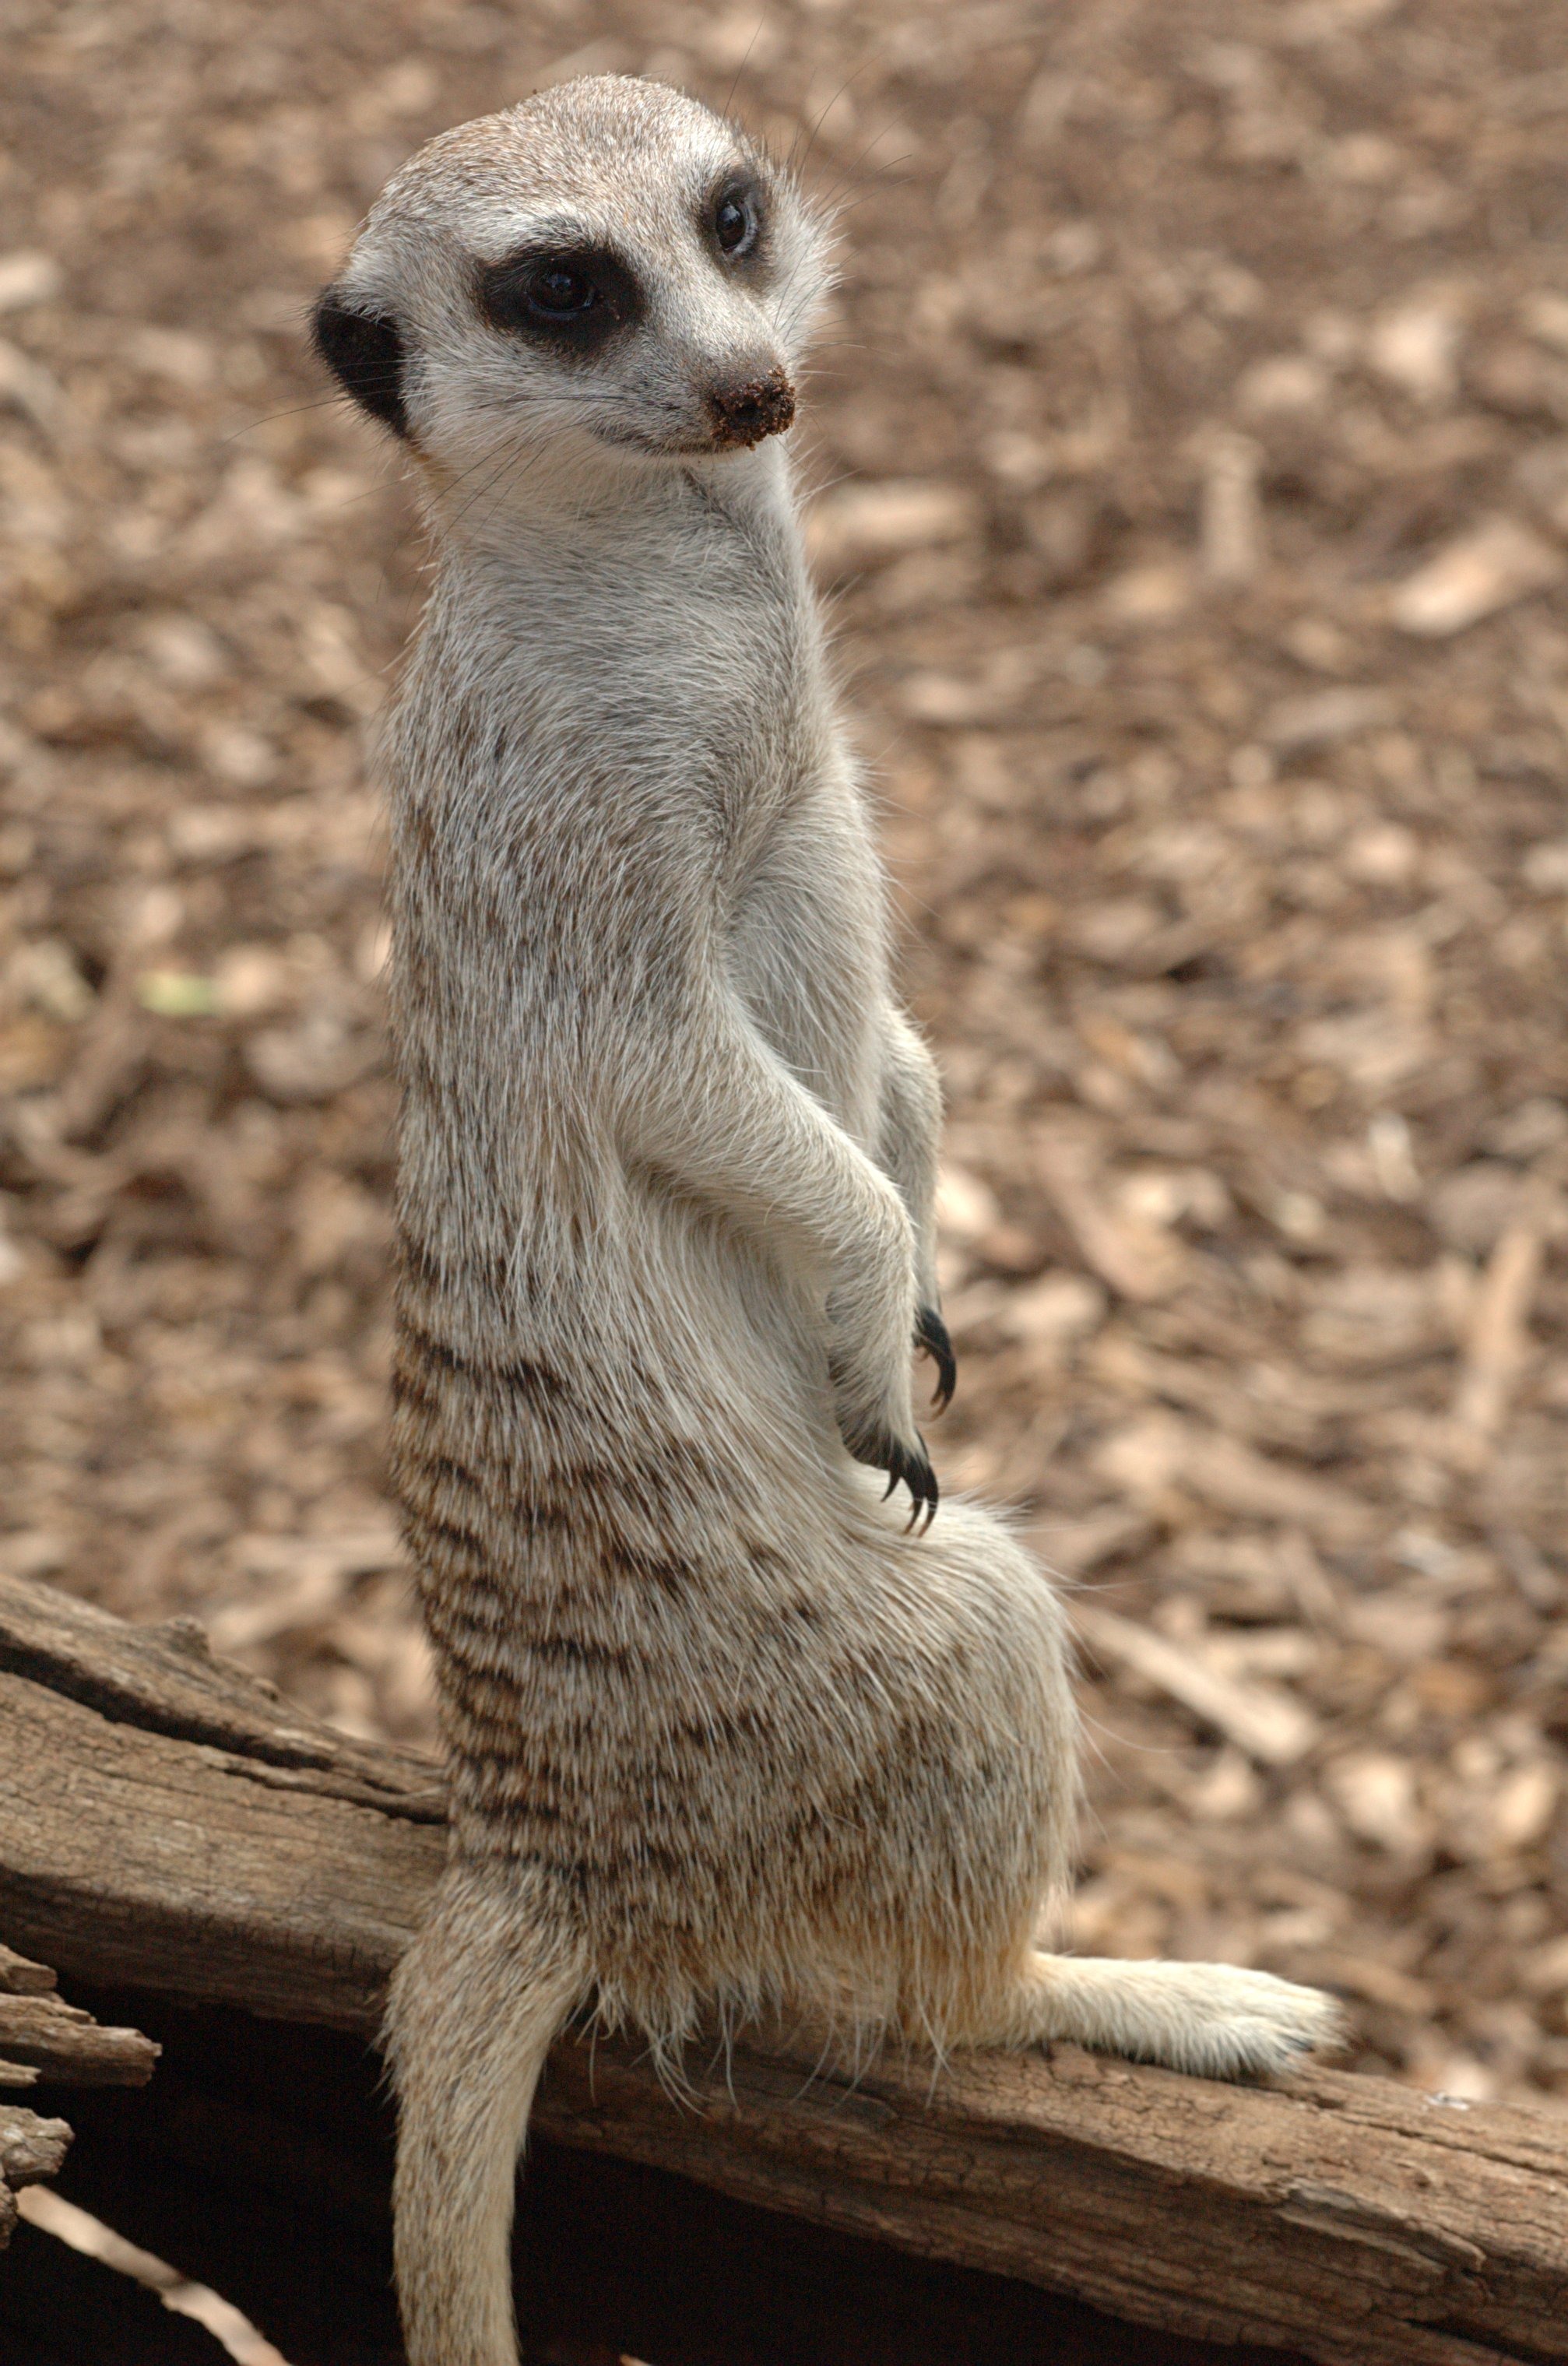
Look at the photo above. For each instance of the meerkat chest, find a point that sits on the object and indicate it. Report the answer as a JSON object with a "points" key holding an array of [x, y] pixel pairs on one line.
{"points": [[677, 640], [673, 674]]}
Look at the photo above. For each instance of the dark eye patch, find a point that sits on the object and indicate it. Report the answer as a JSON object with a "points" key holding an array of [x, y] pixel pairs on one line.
{"points": [[575, 299]]}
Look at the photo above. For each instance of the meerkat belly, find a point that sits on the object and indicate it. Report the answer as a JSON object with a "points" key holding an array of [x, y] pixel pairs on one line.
{"points": [[622, 1647], [586, 1461], [626, 1630]]}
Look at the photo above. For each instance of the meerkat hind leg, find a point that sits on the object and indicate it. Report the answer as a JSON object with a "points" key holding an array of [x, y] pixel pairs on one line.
{"points": [[1213, 2020]]}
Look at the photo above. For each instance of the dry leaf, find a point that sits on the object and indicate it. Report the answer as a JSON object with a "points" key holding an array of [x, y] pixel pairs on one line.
{"points": [[1474, 576], [857, 525], [1267, 1723]]}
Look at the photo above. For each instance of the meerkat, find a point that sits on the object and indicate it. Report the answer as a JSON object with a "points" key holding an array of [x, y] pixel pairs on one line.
{"points": [[731, 1734]]}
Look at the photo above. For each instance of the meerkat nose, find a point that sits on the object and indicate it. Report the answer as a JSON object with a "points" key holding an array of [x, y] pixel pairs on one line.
{"points": [[744, 410]]}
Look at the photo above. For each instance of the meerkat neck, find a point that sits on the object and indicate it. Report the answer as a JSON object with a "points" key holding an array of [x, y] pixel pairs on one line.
{"points": [[555, 499]]}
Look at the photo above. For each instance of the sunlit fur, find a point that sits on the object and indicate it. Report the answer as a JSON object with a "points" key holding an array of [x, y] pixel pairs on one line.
{"points": [[727, 1738]]}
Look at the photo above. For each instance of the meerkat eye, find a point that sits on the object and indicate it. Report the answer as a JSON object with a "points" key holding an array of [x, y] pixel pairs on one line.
{"points": [[575, 297], [735, 223], [557, 292]]}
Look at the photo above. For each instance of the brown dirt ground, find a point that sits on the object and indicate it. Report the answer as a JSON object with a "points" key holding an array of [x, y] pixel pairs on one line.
{"points": [[1194, 429]]}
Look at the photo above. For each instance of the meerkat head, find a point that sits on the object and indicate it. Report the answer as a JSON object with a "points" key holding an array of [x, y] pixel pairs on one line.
{"points": [[608, 266]]}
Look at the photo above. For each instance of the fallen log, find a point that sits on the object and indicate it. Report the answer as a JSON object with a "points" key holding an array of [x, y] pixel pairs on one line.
{"points": [[168, 1825]]}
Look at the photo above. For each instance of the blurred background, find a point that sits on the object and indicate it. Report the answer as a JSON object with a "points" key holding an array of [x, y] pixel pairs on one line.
{"points": [[1192, 446]]}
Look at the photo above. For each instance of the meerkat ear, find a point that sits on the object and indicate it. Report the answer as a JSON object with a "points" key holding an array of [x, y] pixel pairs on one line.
{"points": [[365, 353]]}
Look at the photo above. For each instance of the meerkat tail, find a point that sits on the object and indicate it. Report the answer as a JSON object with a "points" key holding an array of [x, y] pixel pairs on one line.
{"points": [[474, 2006]]}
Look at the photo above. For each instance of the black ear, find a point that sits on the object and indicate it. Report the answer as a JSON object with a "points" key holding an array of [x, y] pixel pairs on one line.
{"points": [[365, 353]]}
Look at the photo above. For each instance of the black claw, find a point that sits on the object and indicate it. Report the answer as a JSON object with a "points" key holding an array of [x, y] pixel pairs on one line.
{"points": [[914, 1472], [904, 1470], [932, 1339]]}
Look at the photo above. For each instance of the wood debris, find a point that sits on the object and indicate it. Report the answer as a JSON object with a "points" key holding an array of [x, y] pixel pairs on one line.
{"points": [[1500, 562], [47, 2038], [42, 2036], [1262, 1720], [31, 2148], [1497, 1344]]}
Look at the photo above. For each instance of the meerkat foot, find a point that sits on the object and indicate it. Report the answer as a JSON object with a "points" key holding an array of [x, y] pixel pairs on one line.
{"points": [[1214, 2021], [932, 1339]]}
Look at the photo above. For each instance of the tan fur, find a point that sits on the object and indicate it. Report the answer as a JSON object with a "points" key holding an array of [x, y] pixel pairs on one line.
{"points": [[727, 1735]]}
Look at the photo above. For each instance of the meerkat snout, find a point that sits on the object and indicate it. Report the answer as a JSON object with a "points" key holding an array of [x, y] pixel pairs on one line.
{"points": [[746, 411]]}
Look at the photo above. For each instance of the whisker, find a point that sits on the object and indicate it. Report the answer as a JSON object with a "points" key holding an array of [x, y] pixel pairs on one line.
{"points": [[293, 411], [850, 80], [746, 60]]}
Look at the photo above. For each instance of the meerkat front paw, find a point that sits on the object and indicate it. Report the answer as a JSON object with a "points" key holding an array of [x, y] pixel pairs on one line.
{"points": [[932, 1339]]}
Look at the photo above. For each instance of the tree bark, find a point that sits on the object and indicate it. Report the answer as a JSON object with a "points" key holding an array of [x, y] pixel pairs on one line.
{"points": [[167, 1824]]}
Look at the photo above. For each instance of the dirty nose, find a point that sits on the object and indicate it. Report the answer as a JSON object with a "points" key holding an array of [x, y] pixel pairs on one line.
{"points": [[743, 410]]}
